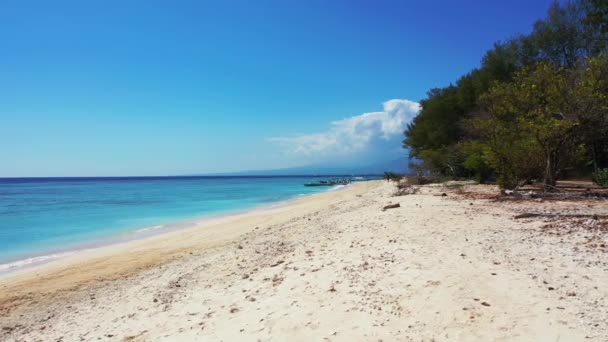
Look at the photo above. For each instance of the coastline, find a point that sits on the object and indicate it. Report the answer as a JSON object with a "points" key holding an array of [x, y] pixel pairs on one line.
{"points": [[141, 245], [37, 259], [329, 266]]}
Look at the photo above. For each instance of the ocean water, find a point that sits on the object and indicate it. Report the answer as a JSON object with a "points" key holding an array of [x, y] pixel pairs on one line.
{"points": [[45, 217]]}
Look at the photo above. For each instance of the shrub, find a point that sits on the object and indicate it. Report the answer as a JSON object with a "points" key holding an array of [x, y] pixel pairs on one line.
{"points": [[600, 177], [392, 176]]}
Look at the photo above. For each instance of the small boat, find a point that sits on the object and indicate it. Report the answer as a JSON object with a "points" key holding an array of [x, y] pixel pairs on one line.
{"points": [[320, 183], [331, 182]]}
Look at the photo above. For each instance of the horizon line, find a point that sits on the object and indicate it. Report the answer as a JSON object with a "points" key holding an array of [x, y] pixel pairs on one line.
{"points": [[196, 176]]}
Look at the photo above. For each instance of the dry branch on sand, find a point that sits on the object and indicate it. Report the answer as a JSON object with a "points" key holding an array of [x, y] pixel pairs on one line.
{"points": [[529, 215], [391, 206]]}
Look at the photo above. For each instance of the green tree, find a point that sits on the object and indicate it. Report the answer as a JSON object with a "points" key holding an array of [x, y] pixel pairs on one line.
{"points": [[513, 152], [591, 96], [556, 109], [563, 37], [476, 159], [597, 15], [537, 114]]}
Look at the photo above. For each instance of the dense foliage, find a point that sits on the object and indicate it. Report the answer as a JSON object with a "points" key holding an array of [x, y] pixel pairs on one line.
{"points": [[601, 177], [536, 107], [392, 176]]}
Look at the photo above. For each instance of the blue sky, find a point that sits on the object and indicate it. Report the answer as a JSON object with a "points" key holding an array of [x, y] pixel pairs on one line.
{"points": [[179, 87]]}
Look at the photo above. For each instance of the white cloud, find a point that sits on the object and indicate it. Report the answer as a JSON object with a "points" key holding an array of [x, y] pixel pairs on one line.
{"points": [[354, 134]]}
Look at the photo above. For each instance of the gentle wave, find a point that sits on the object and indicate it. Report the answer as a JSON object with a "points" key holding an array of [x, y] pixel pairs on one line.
{"points": [[90, 212], [147, 229], [33, 261]]}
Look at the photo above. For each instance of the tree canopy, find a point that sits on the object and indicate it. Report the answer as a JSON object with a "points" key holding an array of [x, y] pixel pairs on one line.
{"points": [[535, 107]]}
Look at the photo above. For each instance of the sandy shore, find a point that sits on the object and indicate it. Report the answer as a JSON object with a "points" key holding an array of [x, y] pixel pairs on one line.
{"points": [[333, 267]]}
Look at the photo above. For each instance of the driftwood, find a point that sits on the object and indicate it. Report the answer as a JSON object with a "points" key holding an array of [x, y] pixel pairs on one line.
{"points": [[595, 194], [554, 195], [528, 215], [567, 195], [579, 187], [391, 206]]}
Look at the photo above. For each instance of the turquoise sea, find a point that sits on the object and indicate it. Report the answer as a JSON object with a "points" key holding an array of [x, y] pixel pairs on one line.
{"points": [[41, 218]]}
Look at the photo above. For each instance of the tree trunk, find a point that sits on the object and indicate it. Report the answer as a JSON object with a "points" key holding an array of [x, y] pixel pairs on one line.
{"points": [[594, 155], [549, 179]]}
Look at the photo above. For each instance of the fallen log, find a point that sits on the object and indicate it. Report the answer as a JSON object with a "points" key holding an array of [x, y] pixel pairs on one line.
{"points": [[567, 195], [391, 206], [596, 194], [528, 215]]}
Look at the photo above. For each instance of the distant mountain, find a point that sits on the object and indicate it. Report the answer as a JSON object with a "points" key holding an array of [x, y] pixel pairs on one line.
{"points": [[396, 165]]}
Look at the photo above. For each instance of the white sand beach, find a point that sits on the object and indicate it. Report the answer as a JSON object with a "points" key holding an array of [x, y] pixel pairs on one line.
{"points": [[333, 267]]}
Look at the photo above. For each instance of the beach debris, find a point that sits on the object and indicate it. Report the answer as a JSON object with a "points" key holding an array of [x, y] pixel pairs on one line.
{"points": [[529, 215], [276, 280], [391, 206], [406, 190], [277, 263]]}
